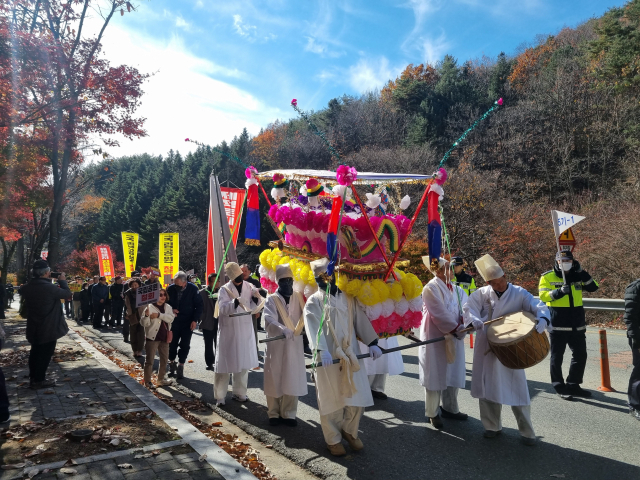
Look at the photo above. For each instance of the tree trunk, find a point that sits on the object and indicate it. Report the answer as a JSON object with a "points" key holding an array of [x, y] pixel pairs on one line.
{"points": [[20, 254], [7, 255]]}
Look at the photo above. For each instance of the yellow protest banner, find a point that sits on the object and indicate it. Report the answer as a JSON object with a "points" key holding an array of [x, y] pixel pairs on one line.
{"points": [[169, 255], [130, 249]]}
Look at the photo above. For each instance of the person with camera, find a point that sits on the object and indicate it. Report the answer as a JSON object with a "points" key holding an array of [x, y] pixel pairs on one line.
{"points": [[45, 320]]}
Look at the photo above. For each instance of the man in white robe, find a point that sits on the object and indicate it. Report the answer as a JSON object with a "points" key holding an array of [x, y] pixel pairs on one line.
{"points": [[285, 377], [236, 343], [493, 383], [442, 315], [343, 388]]}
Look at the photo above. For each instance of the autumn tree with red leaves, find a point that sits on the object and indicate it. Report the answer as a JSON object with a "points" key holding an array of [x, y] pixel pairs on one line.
{"points": [[60, 88]]}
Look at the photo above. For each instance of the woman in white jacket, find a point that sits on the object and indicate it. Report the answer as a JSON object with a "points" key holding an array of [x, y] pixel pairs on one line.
{"points": [[156, 320]]}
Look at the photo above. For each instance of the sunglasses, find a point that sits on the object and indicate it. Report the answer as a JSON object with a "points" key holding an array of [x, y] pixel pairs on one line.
{"points": [[162, 295]]}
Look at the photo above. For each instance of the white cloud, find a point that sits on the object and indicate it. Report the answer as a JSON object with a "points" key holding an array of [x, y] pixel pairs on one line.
{"points": [[433, 50], [368, 74], [243, 29], [314, 47], [182, 99], [181, 22]]}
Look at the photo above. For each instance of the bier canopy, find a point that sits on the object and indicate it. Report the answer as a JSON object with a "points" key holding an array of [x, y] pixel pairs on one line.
{"points": [[364, 178]]}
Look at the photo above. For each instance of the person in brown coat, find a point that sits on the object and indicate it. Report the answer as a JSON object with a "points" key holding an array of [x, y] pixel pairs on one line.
{"points": [[132, 331]]}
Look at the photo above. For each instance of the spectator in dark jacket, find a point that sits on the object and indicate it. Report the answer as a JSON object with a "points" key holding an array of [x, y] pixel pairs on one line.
{"points": [[85, 302], [116, 292], [92, 282], [209, 323], [45, 321], [632, 319], [99, 297], [186, 302]]}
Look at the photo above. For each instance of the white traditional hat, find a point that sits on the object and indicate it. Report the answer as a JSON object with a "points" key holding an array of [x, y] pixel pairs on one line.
{"points": [[283, 271], [233, 270], [488, 268], [427, 263], [319, 266]]}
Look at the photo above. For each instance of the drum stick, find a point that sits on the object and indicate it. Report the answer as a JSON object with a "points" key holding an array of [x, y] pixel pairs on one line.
{"points": [[405, 347]]}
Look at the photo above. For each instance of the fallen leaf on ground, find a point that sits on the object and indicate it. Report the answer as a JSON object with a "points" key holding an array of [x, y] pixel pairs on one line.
{"points": [[115, 442], [69, 462], [68, 471], [49, 440], [144, 455], [181, 470], [190, 361], [216, 424], [125, 465], [48, 392], [202, 458]]}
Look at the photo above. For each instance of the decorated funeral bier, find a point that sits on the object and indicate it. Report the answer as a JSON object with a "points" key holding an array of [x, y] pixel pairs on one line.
{"points": [[320, 214]]}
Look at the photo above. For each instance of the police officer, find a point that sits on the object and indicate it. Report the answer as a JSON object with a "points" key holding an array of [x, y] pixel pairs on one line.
{"points": [[463, 279], [567, 321]]}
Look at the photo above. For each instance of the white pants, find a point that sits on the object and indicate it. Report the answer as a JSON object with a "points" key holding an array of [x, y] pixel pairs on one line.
{"points": [[347, 419], [432, 401], [490, 413], [377, 382], [221, 384], [285, 406]]}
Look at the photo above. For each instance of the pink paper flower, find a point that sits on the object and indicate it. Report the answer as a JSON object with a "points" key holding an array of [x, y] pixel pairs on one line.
{"points": [[500, 101], [441, 176], [250, 171], [186, 139], [294, 102], [346, 175]]}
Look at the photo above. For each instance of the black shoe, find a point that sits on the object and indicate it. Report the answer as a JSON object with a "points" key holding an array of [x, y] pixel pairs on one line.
{"points": [[180, 374], [290, 422], [307, 350], [575, 390], [274, 421], [376, 394], [454, 416], [43, 384], [210, 367], [437, 422], [563, 392], [125, 339], [634, 413], [172, 369]]}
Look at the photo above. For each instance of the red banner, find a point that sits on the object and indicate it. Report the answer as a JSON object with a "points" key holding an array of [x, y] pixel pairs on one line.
{"points": [[105, 261], [233, 199]]}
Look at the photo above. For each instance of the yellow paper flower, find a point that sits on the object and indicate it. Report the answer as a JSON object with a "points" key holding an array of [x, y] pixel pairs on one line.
{"points": [[353, 287], [395, 291], [264, 256], [368, 294], [382, 288], [342, 282]]}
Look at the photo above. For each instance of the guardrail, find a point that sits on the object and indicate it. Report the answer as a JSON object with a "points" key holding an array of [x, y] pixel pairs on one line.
{"points": [[603, 304]]}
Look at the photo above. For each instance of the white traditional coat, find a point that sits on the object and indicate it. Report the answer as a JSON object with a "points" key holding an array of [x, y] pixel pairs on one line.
{"points": [[441, 312], [328, 379], [491, 380], [236, 343], [284, 364], [390, 363]]}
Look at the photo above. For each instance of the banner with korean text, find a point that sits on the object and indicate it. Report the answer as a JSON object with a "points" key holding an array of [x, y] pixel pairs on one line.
{"points": [[233, 200], [169, 254], [105, 261], [130, 249]]}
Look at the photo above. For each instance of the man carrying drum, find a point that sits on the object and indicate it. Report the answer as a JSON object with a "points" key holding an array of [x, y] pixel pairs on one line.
{"points": [[491, 382]]}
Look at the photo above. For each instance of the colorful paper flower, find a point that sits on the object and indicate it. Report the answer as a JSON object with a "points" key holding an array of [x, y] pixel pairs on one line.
{"points": [[294, 102], [250, 171], [500, 101], [346, 175], [314, 188]]}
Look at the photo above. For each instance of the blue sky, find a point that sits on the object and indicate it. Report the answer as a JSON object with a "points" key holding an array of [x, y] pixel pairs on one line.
{"points": [[220, 66]]}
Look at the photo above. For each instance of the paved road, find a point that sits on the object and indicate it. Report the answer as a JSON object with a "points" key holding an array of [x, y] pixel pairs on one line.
{"points": [[585, 439]]}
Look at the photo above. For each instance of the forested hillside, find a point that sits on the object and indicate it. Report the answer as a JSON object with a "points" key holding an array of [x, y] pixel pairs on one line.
{"points": [[567, 137]]}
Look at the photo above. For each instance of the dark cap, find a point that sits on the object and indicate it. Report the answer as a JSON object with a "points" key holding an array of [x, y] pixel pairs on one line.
{"points": [[565, 255], [457, 261], [40, 265]]}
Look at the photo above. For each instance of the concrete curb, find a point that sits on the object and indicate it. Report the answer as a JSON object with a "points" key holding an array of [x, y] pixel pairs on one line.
{"points": [[215, 456]]}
